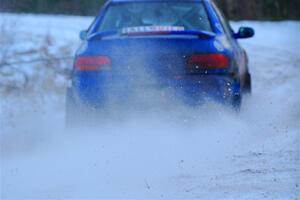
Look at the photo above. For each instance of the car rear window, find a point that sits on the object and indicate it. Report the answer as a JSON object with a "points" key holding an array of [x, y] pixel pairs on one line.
{"points": [[190, 15]]}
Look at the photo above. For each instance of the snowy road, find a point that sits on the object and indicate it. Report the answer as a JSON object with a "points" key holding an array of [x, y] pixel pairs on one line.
{"points": [[183, 154]]}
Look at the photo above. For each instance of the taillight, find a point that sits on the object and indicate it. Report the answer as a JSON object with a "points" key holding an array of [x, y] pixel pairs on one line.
{"points": [[93, 63], [200, 62]]}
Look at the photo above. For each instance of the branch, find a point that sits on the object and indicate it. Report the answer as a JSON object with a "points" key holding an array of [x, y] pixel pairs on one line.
{"points": [[36, 61]]}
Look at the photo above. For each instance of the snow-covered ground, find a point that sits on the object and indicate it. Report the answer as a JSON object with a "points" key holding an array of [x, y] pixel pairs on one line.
{"points": [[180, 154]]}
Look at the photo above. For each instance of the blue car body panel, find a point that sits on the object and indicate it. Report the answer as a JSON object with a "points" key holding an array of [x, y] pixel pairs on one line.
{"points": [[161, 57]]}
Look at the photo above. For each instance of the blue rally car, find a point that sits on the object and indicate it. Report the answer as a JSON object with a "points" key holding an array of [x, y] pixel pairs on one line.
{"points": [[184, 47]]}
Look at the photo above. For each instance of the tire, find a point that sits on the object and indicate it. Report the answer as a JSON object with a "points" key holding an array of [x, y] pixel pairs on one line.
{"points": [[78, 115], [71, 114], [248, 84]]}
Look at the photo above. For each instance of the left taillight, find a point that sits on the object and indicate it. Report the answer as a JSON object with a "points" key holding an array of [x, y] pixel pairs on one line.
{"points": [[93, 63]]}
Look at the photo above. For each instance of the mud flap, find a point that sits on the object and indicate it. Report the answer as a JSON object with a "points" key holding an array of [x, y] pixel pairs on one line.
{"points": [[247, 89], [236, 96]]}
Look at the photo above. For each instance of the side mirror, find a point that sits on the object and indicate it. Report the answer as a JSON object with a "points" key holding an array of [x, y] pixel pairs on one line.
{"points": [[244, 32], [83, 35]]}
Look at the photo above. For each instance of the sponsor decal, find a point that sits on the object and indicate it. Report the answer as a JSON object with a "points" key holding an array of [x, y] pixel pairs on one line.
{"points": [[151, 29]]}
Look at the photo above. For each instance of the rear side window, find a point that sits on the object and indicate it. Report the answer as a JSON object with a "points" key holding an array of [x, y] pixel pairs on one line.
{"points": [[190, 15]]}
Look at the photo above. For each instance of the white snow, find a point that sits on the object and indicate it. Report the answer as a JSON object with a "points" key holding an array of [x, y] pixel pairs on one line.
{"points": [[184, 153]]}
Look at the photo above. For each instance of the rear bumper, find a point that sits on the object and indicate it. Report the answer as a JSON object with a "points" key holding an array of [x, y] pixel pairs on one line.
{"points": [[192, 90]]}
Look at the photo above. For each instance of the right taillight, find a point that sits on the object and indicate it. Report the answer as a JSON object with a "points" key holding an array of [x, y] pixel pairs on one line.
{"points": [[93, 63], [200, 62]]}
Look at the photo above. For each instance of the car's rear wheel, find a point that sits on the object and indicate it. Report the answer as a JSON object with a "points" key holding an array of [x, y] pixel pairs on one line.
{"points": [[248, 84], [71, 115], [80, 115]]}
